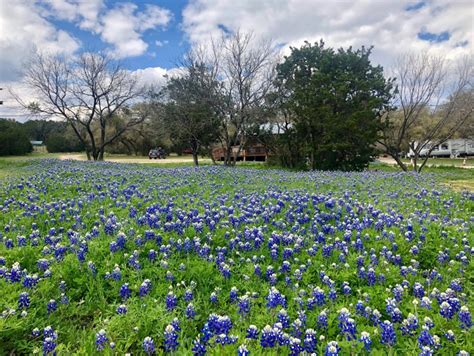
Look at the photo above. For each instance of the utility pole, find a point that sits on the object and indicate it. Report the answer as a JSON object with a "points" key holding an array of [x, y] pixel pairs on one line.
{"points": [[1, 101]]}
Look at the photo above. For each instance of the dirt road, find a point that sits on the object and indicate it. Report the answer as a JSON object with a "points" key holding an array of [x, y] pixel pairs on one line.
{"points": [[141, 160]]}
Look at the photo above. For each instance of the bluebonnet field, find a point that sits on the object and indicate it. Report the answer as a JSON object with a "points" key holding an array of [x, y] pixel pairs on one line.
{"points": [[117, 258]]}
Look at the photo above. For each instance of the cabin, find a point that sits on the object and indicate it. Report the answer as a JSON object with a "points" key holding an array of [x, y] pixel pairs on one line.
{"points": [[253, 152], [38, 146]]}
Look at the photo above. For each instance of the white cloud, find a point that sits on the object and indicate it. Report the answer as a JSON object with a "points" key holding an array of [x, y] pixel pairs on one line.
{"points": [[83, 12], [23, 31], [123, 27], [385, 24], [155, 76]]}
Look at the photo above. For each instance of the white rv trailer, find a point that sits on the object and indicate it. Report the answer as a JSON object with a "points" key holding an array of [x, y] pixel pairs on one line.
{"points": [[451, 148]]}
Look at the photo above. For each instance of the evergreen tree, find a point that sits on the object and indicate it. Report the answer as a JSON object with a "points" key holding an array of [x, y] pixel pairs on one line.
{"points": [[337, 99]]}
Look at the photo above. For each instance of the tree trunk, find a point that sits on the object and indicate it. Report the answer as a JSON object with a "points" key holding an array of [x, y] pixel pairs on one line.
{"points": [[100, 156], [228, 155]]}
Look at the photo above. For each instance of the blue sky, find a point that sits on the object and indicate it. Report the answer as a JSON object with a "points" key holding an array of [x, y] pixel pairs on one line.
{"points": [[150, 36], [166, 44]]}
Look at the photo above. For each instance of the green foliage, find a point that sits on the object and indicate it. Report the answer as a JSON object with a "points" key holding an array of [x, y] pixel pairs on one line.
{"points": [[62, 142], [189, 113], [13, 139], [336, 99]]}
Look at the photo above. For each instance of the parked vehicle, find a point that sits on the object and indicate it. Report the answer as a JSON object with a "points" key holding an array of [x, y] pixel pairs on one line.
{"points": [[153, 154], [157, 153], [451, 148]]}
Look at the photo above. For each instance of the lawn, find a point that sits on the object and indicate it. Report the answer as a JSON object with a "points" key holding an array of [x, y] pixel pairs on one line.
{"points": [[127, 258]]}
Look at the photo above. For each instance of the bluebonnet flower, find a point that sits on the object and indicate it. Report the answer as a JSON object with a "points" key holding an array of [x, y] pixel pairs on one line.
{"points": [[175, 323], [252, 332], [206, 333], [30, 281], [199, 348], [465, 318], [64, 299], [268, 338], [62, 286], [349, 329], [100, 340], [116, 273], [169, 276], [225, 270], [455, 304], [275, 298], [296, 328], [243, 351], [225, 339], [371, 277], [52, 306], [122, 309], [190, 312], [426, 303], [49, 332], [388, 336], [213, 298], [148, 345], [145, 287], [398, 292], [319, 296], [365, 338], [428, 322], [222, 324], [233, 294], [449, 335], [23, 300], [92, 268], [456, 285], [188, 295], [418, 290], [323, 320], [283, 318], [295, 346], [446, 311], [171, 301], [125, 291], [152, 255], [310, 341], [332, 349], [343, 316], [425, 338], [36, 332], [49, 345], [426, 351], [244, 305], [360, 308], [409, 325], [171, 338]]}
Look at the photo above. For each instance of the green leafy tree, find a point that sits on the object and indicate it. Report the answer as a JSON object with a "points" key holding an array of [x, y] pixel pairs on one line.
{"points": [[337, 99], [189, 109], [13, 139]]}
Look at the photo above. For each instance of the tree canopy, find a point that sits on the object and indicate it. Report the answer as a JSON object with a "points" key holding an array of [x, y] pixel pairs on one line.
{"points": [[336, 99]]}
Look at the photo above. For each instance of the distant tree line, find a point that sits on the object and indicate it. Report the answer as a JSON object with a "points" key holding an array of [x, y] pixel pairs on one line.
{"points": [[57, 136], [316, 108]]}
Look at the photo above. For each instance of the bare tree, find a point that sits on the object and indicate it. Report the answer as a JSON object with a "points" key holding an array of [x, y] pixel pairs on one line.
{"points": [[88, 93], [244, 67], [432, 104]]}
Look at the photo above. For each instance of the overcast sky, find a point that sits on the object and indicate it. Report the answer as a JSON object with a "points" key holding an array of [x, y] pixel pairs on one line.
{"points": [[151, 36]]}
